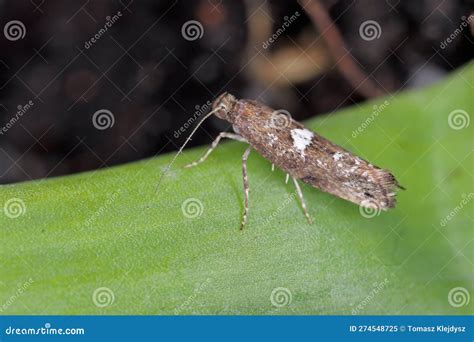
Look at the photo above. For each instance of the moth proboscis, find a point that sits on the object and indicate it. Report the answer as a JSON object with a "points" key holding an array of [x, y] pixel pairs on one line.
{"points": [[301, 153]]}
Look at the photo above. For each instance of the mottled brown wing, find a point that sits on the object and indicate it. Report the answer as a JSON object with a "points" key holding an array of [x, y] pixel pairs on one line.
{"points": [[315, 160]]}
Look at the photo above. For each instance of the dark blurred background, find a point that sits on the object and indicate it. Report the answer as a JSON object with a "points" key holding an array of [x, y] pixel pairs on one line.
{"points": [[145, 68]]}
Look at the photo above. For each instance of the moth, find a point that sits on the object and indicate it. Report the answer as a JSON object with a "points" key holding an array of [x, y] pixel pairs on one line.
{"points": [[301, 153]]}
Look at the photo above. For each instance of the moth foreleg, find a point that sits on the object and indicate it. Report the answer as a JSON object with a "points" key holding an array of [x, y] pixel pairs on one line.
{"points": [[214, 145], [300, 196], [246, 186]]}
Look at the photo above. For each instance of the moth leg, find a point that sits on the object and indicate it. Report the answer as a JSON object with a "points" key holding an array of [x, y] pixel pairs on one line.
{"points": [[246, 186], [300, 196], [214, 145]]}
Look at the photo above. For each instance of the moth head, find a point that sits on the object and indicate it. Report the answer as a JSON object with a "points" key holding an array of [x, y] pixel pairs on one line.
{"points": [[223, 106]]}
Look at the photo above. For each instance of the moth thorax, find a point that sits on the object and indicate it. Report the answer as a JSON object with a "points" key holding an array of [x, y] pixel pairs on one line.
{"points": [[223, 106]]}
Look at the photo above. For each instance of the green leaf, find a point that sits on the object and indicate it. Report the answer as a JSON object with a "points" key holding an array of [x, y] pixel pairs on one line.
{"points": [[105, 243]]}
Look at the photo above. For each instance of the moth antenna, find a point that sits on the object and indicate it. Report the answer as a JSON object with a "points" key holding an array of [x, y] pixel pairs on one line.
{"points": [[221, 106]]}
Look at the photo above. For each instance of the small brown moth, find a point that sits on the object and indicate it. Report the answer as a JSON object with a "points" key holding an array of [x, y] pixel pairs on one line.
{"points": [[301, 153]]}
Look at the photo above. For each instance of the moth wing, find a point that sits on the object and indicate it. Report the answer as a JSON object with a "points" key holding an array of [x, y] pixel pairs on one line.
{"points": [[341, 173], [314, 159]]}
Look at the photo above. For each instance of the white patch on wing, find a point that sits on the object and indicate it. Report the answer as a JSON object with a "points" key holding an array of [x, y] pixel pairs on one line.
{"points": [[337, 156], [273, 137], [301, 139]]}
